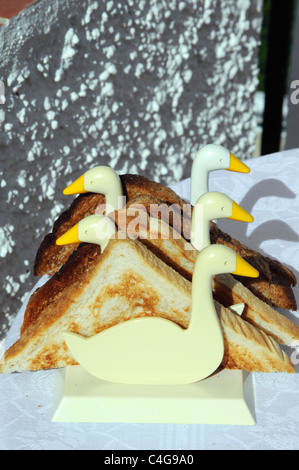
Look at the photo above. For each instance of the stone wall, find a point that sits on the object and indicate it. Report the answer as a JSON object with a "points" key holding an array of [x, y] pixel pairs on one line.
{"points": [[138, 85]]}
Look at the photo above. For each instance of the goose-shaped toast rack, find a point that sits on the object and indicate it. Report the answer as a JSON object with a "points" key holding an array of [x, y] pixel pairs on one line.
{"points": [[151, 351]]}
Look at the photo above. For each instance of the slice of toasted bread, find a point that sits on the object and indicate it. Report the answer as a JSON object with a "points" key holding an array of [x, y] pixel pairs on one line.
{"points": [[274, 286], [228, 291], [250, 348], [95, 291]]}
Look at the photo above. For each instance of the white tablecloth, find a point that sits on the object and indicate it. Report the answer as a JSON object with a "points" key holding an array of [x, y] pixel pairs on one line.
{"points": [[270, 192]]}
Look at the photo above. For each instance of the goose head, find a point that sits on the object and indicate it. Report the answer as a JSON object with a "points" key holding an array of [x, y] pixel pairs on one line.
{"points": [[96, 229], [211, 206], [220, 259], [218, 205], [101, 180], [209, 158]]}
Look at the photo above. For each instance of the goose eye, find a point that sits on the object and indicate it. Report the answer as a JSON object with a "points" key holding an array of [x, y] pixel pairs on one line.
{"points": [[221, 160], [222, 208], [86, 232], [225, 263]]}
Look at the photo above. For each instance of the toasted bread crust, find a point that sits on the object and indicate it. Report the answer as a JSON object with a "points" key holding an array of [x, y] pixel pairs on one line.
{"points": [[78, 267]]}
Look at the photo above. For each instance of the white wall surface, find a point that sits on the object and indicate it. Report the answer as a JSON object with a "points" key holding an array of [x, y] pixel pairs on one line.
{"points": [[138, 85]]}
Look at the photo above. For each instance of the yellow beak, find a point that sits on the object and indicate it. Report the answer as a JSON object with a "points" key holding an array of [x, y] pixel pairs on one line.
{"points": [[238, 213], [70, 237], [77, 187], [237, 165], [245, 269]]}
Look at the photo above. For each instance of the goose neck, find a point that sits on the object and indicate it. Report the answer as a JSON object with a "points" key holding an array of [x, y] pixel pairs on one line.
{"points": [[202, 304], [200, 230], [199, 182]]}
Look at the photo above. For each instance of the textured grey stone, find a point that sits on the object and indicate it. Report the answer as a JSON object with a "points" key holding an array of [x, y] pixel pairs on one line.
{"points": [[136, 85]]}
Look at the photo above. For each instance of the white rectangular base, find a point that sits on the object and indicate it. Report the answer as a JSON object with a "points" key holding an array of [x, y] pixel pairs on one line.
{"points": [[224, 398]]}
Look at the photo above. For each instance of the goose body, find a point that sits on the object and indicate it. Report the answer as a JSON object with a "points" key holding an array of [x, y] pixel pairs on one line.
{"points": [[209, 158], [153, 350]]}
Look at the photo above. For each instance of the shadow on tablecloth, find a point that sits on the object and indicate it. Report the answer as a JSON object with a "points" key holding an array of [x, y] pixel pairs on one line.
{"points": [[275, 229]]}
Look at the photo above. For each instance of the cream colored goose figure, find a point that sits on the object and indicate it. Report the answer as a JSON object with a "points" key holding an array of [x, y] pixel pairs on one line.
{"points": [[211, 206], [156, 350], [102, 180], [209, 158]]}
